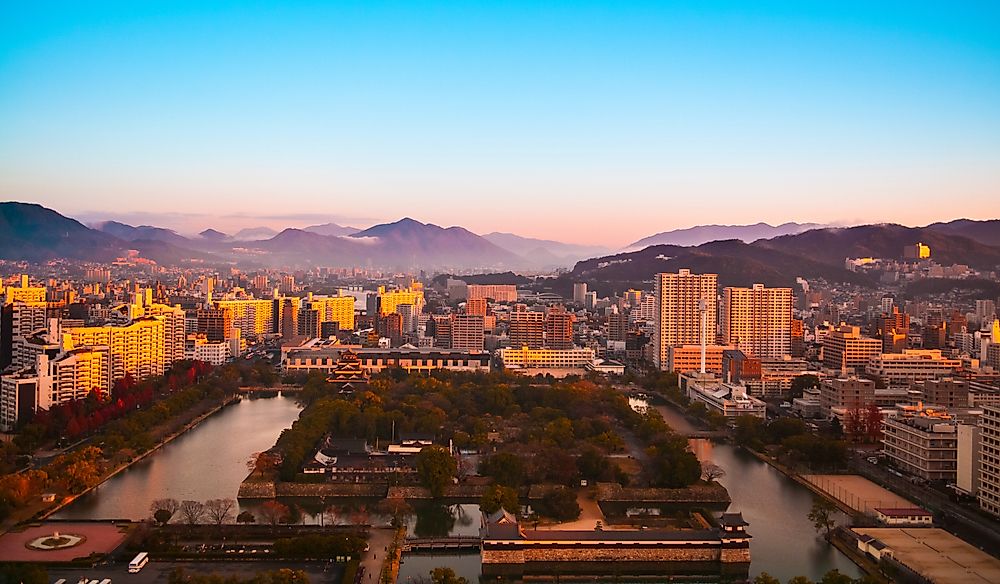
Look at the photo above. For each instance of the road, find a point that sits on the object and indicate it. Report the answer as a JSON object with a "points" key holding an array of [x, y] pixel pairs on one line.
{"points": [[159, 571], [379, 540]]}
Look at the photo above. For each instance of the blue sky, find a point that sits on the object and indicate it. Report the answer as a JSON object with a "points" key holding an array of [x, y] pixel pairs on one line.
{"points": [[619, 119]]}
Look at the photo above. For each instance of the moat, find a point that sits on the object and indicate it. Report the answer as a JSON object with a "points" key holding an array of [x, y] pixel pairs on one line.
{"points": [[210, 461]]}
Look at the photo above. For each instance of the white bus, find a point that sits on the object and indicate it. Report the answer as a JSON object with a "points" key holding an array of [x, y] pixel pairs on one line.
{"points": [[138, 562]]}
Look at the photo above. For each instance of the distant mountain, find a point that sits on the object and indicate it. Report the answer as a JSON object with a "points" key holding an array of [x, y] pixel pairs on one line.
{"points": [[544, 252], [987, 232], [213, 235], [706, 233], [254, 233], [34, 233], [143, 232], [331, 229], [887, 241], [737, 264], [410, 242]]}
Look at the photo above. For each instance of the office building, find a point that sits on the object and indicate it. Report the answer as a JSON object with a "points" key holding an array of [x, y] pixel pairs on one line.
{"points": [[902, 369], [838, 395], [846, 350], [922, 442]]}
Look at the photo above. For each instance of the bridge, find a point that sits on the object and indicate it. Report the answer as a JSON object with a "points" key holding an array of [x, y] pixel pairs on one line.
{"points": [[441, 543], [276, 389], [710, 434]]}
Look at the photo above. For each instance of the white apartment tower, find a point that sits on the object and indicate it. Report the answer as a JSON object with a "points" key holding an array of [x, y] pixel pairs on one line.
{"points": [[758, 320], [679, 311]]}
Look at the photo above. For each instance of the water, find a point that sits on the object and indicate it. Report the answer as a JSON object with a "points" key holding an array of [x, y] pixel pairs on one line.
{"points": [[207, 462], [210, 462], [784, 543]]}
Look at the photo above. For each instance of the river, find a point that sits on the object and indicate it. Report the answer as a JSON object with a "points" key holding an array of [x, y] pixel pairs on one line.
{"points": [[206, 462], [209, 462]]}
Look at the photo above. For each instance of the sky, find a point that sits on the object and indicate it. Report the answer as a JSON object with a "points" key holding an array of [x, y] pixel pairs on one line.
{"points": [[590, 122]]}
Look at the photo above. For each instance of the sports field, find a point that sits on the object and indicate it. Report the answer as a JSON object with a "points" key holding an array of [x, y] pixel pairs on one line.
{"points": [[857, 492]]}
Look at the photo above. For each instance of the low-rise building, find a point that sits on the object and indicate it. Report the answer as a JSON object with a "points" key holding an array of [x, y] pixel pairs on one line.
{"points": [[729, 399], [923, 442], [901, 369]]}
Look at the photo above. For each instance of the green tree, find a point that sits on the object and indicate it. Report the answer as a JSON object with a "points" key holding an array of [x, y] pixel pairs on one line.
{"points": [[23, 574], [560, 504], [800, 580], [497, 497], [749, 432], [507, 469], [765, 578], [436, 468], [822, 515], [803, 382], [446, 576], [835, 577]]}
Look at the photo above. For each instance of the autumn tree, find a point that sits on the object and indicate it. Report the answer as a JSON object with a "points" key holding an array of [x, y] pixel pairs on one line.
{"points": [[446, 576], [275, 512]]}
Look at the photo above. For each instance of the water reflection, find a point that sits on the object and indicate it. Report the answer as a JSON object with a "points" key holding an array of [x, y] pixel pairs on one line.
{"points": [[784, 543], [208, 462]]}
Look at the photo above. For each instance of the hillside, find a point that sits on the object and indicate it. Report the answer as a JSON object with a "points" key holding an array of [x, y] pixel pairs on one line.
{"points": [[700, 234]]}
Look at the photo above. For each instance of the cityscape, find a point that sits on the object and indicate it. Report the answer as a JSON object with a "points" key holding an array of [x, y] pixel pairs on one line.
{"points": [[296, 293]]}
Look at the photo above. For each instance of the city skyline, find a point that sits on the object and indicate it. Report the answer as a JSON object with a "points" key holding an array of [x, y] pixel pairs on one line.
{"points": [[367, 113]]}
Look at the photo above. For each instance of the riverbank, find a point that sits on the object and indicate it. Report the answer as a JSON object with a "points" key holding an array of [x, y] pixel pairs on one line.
{"points": [[163, 441]]}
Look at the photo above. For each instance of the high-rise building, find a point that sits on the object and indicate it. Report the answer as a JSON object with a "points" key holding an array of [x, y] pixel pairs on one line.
{"points": [[467, 333], [682, 300], [388, 300], [391, 326], [215, 323], [798, 338], [579, 292], [989, 460], [476, 306], [19, 319], [617, 326], [758, 320], [338, 309], [136, 349], [289, 318], [893, 328], [559, 328], [442, 330], [254, 318], [527, 328]]}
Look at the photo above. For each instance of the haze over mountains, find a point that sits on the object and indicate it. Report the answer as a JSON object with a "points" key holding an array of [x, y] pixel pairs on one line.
{"points": [[33, 233], [706, 233]]}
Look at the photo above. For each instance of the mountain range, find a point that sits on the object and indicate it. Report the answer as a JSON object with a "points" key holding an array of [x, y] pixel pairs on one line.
{"points": [[706, 233], [34, 233]]}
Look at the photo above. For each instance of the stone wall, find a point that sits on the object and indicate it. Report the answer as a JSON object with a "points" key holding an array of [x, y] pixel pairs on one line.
{"points": [[257, 490], [740, 555], [502, 556], [622, 554]]}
